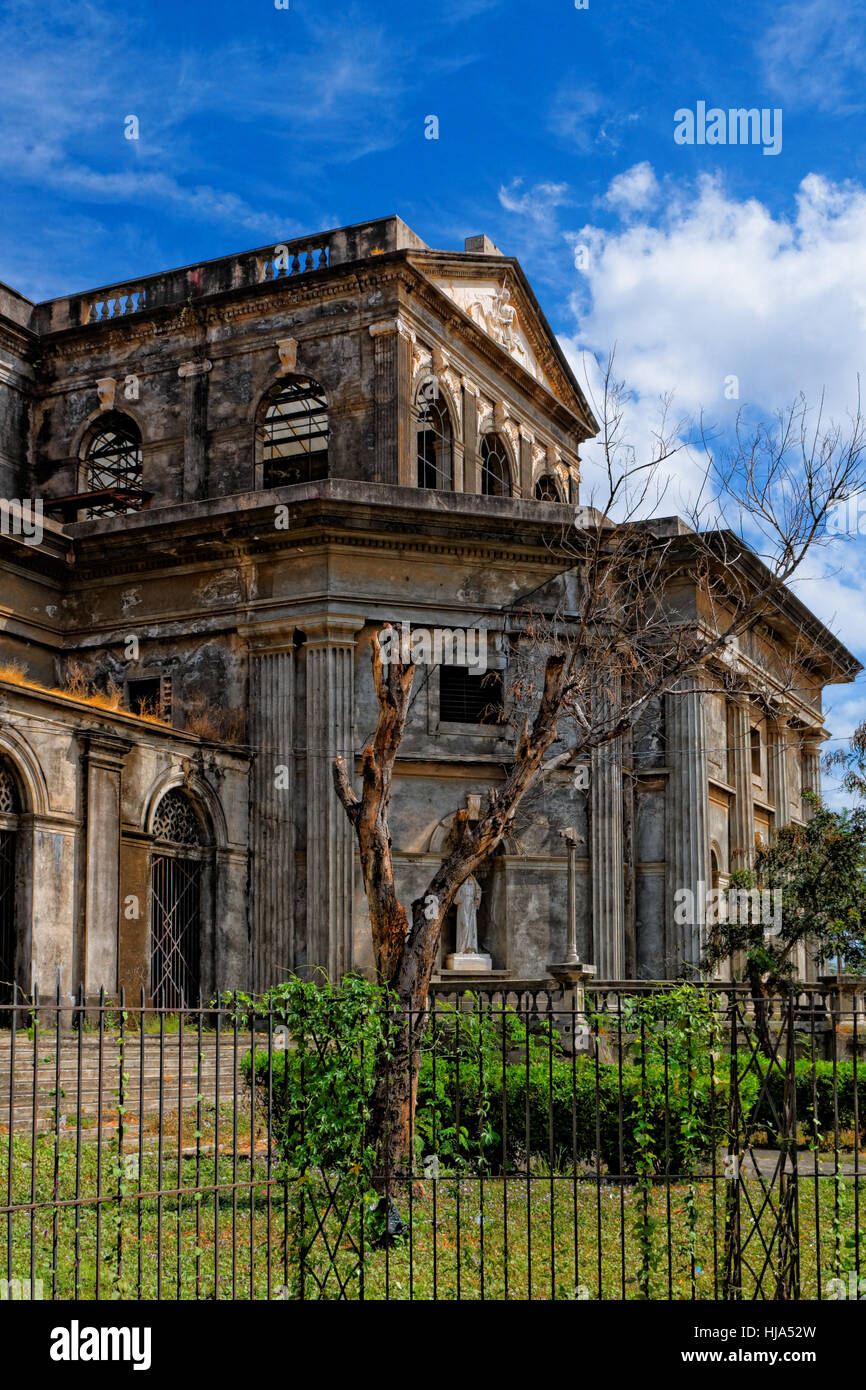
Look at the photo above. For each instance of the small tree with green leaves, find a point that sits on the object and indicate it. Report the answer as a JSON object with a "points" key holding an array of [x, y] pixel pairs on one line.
{"points": [[820, 870]]}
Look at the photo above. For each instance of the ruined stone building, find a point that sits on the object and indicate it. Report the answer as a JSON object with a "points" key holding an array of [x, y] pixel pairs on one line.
{"points": [[245, 466]]}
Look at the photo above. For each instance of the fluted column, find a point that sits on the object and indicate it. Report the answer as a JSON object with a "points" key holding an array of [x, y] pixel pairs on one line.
{"points": [[272, 810], [811, 771], [742, 814], [780, 786], [606, 848], [330, 663], [687, 840]]}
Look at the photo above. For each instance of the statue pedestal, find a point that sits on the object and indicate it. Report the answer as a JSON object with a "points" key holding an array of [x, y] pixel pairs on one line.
{"points": [[469, 963], [574, 1029]]}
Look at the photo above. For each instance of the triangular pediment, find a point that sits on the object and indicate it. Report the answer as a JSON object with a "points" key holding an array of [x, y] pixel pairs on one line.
{"points": [[490, 305]]}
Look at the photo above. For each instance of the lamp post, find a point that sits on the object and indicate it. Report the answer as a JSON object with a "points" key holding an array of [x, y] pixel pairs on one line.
{"points": [[571, 972], [571, 956]]}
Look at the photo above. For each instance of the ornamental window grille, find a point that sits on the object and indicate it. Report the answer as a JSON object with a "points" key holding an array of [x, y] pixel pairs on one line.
{"points": [[177, 895], [434, 439], [547, 489], [113, 461], [10, 807], [176, 821], [293, 434], [495, 468], [10, 804]]}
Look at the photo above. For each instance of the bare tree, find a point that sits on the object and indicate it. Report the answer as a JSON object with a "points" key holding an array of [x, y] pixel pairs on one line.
{"points": [[647, 607]]}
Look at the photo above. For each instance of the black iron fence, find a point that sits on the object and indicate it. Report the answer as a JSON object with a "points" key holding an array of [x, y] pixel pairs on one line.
{"points": [[662, 1143]]}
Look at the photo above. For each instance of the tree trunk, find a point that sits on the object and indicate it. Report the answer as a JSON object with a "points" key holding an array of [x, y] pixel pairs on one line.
{"points": [[406, 956]]}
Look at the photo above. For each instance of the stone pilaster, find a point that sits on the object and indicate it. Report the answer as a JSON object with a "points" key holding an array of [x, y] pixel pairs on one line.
{"points": [[687, 840], [525, 465], [471, 462], [780, 786], [811, 770], [272, 810], [392, 377], [606, 848], [330, 672], [104, 756], [742, 813], [195, 379]]}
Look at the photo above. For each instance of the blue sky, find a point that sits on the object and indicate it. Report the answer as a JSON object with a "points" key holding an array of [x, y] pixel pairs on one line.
{"points": [[555, 132]]}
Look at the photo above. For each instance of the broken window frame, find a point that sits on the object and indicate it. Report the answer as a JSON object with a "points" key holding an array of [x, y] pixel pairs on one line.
{"points": [[292, 434]]}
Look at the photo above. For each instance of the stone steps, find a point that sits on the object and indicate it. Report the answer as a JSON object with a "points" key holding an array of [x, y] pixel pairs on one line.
{"points": [[155, 1083]]}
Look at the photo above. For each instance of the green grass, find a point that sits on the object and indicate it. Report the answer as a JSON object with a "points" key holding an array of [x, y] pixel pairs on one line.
{"points": [[540, 1236]]}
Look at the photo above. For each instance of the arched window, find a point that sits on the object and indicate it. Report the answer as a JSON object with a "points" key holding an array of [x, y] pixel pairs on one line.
{"points": [[10, 807], [112, 466], [546, 489], [434, 439], [495, 468], [182, 852], [292, 433]]}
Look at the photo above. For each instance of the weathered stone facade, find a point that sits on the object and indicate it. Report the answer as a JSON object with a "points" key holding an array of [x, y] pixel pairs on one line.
{"points": [[237, 587]]}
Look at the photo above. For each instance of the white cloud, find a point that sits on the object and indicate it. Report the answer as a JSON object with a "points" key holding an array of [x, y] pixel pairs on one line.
{"points": [[634, 190], [710, 287], [814, 54], [717, 287]]}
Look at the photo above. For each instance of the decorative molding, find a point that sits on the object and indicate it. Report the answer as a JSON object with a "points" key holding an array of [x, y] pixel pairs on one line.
{"points": [[391, 326], [197, 368], [106, 388], [10, 375], [288, 350]]}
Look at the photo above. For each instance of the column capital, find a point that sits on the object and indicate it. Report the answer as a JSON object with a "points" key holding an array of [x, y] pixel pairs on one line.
{"points": [[270, 635], [104, 748], [813, 737], [385, 327], [740, 700], [330, 629]]}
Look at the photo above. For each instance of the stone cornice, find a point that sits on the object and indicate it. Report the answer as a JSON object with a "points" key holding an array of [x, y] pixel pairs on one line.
{"points": [[20, 377]]}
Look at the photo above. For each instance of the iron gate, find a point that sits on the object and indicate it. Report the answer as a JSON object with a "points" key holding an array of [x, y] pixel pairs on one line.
{"points": [[8, 839], [176, 931]]}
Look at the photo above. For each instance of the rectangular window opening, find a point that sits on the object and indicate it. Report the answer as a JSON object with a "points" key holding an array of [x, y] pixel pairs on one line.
{"points": [[755, 735], [145, 696], [467, 698]]}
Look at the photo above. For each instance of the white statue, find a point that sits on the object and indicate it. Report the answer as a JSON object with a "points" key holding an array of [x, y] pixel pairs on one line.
{"points": [[504, 315], [468, 901]]}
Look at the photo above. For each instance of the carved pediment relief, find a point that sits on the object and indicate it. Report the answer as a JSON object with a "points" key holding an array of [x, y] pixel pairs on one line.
{"points": [[489, 305]]}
